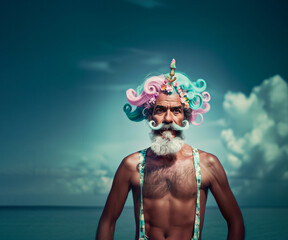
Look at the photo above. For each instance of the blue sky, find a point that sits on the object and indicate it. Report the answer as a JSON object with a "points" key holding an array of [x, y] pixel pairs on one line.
{"points": [[65, 67]]}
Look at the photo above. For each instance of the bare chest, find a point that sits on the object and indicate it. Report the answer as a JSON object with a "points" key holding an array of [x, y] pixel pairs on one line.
{"points": [[177, 180]]}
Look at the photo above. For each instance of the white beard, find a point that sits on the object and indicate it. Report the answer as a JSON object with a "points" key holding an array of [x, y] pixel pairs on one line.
{"points": [[166, 145]]}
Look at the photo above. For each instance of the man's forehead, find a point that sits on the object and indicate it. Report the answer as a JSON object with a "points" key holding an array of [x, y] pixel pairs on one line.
{"points": [[166, 99]]}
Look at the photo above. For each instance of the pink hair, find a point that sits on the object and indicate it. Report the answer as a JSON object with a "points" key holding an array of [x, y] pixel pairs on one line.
{"points": [[151, 88]]}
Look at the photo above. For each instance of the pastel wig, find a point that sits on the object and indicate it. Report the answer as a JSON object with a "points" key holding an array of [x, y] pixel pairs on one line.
{"points": [[193, 94]]}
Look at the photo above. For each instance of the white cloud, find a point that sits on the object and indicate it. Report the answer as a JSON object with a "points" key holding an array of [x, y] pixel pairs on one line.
{"points": [[256, 133], [86, 177], [236, 163], [90, 175]]}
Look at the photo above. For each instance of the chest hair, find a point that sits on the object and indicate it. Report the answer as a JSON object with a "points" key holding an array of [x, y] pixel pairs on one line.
{"points": [[177, 179]]}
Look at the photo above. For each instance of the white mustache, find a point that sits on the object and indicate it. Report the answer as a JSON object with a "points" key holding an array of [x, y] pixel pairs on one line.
{"points": [[173, 126]]}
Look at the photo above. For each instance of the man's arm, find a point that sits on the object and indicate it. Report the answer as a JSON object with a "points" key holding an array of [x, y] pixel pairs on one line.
{"points": [[225, 199], [115, 201]]}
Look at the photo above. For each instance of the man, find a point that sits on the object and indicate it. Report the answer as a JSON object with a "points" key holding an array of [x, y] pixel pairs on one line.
{"points": [[170, 180]]}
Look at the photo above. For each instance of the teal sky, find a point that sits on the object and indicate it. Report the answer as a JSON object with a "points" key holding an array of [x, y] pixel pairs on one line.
{"points": [[65, 67]]}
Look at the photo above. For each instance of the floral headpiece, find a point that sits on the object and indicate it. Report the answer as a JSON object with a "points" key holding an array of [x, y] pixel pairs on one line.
{"points": [[191, 93], [170, 84]]}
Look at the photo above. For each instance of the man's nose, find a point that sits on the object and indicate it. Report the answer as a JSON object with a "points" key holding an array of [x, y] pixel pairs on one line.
{"points": [[168, 117]]}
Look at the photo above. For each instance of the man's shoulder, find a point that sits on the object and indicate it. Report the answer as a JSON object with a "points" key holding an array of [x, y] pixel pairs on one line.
{"points": [[131, 161], [208, 159], [131, 158], [211, 166]]}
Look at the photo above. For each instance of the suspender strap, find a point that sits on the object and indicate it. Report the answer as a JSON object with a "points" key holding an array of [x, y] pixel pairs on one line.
{"points": [[141, 217], [198, 180]]}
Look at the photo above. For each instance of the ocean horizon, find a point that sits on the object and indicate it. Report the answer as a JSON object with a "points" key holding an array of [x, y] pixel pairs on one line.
{"points": [[80, 223]]}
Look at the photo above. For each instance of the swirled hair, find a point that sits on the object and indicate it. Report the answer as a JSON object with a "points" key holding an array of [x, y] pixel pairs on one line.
{"points": [[146, 94]]}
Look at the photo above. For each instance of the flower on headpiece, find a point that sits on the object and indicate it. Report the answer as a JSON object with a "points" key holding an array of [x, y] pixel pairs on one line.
{"points": [[175, 84], [152, 100], [182, 100], [166, 87], [163, 88], [169, 89]]}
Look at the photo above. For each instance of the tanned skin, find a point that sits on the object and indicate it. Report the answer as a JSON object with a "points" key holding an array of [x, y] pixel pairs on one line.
{"points": [[170, 190]]}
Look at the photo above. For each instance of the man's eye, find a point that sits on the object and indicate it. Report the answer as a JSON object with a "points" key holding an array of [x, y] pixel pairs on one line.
{"points": [[177, 110], [159, 110]]}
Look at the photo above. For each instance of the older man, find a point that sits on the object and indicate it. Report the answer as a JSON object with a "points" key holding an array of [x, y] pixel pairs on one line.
{"points": [[170, 180]]}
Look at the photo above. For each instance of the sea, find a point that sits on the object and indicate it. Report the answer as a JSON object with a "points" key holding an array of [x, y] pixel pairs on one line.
{"points": [[80, 223]]}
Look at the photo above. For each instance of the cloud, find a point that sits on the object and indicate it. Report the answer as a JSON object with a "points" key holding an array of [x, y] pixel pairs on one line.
{"points": [[256, 139], [99, 66], [147, 3], [87, 176], [256, 133]]}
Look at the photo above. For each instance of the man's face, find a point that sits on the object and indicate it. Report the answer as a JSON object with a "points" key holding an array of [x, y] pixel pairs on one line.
{"points": [[168, 109]]}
